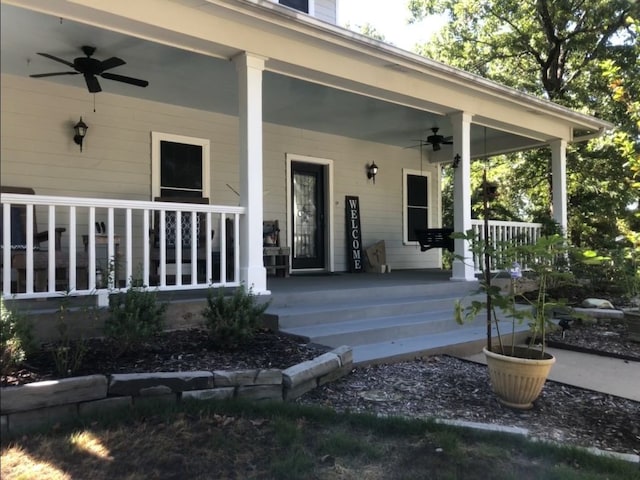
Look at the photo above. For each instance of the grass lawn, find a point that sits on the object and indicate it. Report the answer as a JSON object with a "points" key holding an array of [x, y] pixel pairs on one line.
{"points": [[197, 440]]}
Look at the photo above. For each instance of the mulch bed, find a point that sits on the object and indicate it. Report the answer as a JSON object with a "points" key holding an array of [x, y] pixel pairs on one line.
{"points": [[441, 386]]}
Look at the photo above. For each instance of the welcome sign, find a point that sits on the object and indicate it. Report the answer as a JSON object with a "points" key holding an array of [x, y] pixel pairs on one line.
{"points": [[354, 234]]}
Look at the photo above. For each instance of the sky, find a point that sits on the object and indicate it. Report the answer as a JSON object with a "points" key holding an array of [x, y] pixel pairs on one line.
{"points": [[389, 17]]}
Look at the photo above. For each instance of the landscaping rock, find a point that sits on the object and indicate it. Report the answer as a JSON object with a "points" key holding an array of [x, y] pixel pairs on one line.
{"points": [[51, 393], [311, 369], [131, 384], [209, 394], [247, 377], [106, 404]]}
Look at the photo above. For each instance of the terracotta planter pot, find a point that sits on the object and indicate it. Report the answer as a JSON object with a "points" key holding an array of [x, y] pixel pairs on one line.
{"points": [[518, 380], [632, 319]]}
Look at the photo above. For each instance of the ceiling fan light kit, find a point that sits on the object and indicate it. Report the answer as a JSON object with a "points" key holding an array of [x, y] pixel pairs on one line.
{"points": [[91, 68]]}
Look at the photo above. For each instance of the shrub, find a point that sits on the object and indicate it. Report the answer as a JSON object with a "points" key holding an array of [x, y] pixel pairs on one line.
{"points": [[134, 316], [232, 320], [68, 354], [16, 338]]}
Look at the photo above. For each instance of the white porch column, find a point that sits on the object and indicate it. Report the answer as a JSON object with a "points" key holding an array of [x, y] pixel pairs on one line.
{"points": [[461, 123], [252, 271], [559, 182]]}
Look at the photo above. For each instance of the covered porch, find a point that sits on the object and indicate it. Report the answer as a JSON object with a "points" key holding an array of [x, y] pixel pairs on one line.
{"points": [[258, 90]]}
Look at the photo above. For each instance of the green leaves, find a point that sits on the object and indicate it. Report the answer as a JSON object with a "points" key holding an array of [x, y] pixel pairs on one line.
{"points": [[232, 320], [583, 55], [134, 316]]}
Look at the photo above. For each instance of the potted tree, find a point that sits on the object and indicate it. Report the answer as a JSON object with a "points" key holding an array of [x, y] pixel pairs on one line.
{"points": [[517, 373]]}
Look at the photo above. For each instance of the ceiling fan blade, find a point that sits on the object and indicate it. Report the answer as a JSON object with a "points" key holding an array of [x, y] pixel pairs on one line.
{"points": [[421, 143], [121, 78], [92, 83], [112, 62], [40, 75], [51, 57]]}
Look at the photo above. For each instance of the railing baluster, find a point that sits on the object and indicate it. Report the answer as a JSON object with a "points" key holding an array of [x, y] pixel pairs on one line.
{"points": [[145, 249], [51, 257], [194, 248], [111, 255], [73, 281], [208, 249], [6, 249], [178, 248], [91, 232], [163, 248], [223, 248], [29, 252], [128, 248]]}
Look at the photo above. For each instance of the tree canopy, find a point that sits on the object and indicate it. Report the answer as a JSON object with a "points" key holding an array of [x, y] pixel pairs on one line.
{"points": [[581, 54]]}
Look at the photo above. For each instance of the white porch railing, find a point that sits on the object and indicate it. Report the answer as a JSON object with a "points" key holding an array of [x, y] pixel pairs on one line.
{"points": [[88, 261], [503, 233]]}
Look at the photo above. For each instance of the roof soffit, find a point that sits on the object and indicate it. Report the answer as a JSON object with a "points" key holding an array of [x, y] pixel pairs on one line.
{"points": [[319, 53]]}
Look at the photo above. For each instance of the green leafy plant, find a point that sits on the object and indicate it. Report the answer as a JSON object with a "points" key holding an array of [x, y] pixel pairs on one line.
{"points": [[232, 320], [546, 261], [68, 353], [135, 315], [16, 338], [616, 271]]}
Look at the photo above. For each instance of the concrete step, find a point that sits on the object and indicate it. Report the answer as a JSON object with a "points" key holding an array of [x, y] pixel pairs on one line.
{"points": [[374, 307], [366, 293], [461, 341], [372, 330], [384, 323]]}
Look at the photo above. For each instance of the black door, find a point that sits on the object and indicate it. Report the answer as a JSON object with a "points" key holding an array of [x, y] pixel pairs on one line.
{"points": [[308, 211]]}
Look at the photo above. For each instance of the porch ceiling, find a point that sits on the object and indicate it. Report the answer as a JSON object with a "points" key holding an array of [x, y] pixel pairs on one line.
{"points": [[208, 81]]}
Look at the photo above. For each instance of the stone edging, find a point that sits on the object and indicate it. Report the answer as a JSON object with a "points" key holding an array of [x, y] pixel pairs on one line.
{"points": [[34, 405]]}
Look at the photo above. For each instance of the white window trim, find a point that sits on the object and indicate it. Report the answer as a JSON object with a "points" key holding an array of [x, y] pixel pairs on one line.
{"points": [[405, 221], [157, 137]]}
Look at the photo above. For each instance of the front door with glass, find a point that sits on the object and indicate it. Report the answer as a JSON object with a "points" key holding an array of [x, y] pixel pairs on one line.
{"points": [[308, 216]]}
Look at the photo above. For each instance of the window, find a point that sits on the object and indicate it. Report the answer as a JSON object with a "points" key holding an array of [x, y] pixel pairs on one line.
{"points": [[415, 204], [302, 5], [180, 166]]}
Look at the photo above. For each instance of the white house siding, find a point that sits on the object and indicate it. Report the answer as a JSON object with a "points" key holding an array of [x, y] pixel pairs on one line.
{"points": [[37, 150], [325, 10]]}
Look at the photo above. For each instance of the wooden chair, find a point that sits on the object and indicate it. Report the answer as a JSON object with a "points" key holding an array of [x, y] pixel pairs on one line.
{"points": [[40, 254], [170, 232]]}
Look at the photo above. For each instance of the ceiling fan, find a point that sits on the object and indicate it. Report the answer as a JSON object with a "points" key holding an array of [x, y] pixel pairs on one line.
{"points": [[91, 69], [436, 140]]}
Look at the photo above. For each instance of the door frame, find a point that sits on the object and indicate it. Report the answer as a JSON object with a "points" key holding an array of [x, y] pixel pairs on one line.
{"points": [[328, 205]]}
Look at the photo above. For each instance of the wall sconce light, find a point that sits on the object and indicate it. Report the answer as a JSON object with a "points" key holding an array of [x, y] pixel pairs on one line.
{"points": [[80, 130], [456, 160], [372, 171]]}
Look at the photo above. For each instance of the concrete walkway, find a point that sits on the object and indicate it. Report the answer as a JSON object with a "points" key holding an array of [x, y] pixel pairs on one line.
{"points": [[593, 372]]}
